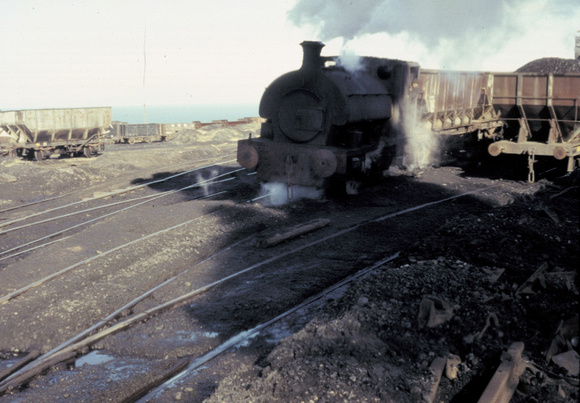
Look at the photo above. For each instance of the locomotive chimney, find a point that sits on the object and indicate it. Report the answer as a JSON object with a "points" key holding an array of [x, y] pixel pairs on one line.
{"points": [[311, 59]]}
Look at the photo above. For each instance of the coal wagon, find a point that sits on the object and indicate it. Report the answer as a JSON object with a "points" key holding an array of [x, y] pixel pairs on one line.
{"points": [[514, 113], [140, 133], [541, 116], [39, 133]]}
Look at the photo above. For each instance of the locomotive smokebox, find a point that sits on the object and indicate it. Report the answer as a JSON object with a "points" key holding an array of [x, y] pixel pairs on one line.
{"points": [[311, 58]]}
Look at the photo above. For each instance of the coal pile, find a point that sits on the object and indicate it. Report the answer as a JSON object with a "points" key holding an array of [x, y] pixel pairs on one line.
{"points": [[552, 65], [462, 295]]}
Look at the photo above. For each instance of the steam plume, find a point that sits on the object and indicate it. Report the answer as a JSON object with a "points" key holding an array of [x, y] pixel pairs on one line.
{"points": [[279, 194], [466, 35], [205, 183]]}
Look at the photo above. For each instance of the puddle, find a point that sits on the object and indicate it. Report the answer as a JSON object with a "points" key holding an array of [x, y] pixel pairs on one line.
{"points": [[9, 359], [93, 358], [9, 363]]}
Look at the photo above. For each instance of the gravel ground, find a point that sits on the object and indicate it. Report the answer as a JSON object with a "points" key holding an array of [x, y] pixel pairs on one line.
{"points": [[463, 291]]}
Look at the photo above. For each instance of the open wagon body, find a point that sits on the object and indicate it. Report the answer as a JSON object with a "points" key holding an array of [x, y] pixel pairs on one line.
{"points": [[38, 133]]}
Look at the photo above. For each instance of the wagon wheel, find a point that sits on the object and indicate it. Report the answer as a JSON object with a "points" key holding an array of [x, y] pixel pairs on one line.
{"points": [[131, 141], [90, 152], [41, 155], [148, 139]]}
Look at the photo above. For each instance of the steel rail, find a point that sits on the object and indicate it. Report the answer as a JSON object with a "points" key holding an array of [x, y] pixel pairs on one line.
{"points": [[4, 299], [20, 376], [84, 189], [105, 195], [95, 208], [35, 247], [154, 197], [245, 335], [5, 231], [106, 321]]}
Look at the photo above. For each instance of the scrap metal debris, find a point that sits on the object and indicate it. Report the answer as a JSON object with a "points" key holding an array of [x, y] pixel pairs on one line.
{"points": [[434, 311]]}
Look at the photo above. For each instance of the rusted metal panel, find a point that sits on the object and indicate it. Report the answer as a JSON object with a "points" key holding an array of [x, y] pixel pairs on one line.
{"points": [[456, 102], [539, 99], [566, 90], [536, 89]]}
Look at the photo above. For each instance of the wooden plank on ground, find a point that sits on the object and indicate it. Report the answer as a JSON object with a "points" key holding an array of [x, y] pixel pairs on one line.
{"points": [[507, 376], [293, 232]]}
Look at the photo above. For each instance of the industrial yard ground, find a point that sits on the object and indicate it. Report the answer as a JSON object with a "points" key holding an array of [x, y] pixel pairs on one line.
{"points": [[473, 276]]}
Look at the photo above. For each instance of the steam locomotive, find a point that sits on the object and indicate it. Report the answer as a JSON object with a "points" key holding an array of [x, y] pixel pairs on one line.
{"points": [[325, 123]]}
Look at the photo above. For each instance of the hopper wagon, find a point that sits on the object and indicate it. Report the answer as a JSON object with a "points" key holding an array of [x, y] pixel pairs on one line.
{"points": [[140, 133], [541, 116], [71, 132]]}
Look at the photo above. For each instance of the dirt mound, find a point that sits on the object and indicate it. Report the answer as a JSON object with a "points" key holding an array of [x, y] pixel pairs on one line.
{"points": [[553, 65], [216, 134]]}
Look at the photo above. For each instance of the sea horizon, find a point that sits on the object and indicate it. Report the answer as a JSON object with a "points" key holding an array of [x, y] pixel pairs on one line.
{"points": [[134, 114]]}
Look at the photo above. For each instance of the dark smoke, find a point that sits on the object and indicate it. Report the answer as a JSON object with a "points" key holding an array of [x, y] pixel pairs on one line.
{"points": [[336, 18], [430, 20], [451, 30]]}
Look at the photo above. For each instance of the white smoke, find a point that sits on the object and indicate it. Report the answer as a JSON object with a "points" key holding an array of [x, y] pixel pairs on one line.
{"points": [[204, 184], [279, 193], [468, 35], [334, 18], [422, 148], [350, 61]]}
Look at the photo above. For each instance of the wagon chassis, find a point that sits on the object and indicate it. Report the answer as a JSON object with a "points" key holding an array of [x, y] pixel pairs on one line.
{"points": [[556, 146], [43, 150]]}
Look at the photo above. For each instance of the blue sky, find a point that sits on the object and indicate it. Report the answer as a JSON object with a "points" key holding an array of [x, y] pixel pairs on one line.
{"points": [[72, 53]]}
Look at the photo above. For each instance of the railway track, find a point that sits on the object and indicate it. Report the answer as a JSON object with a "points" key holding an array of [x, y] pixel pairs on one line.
{"points": [[141, 311], [111, 188], [135, 202], [111, 208], [101, 192]]}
